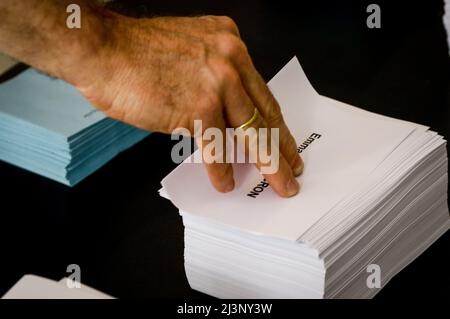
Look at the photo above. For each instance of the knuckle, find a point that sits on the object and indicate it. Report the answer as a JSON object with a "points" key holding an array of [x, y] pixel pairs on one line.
{"points": [[276, 118], [274, 114], [228, 23], [208, 17], [230, 45]]}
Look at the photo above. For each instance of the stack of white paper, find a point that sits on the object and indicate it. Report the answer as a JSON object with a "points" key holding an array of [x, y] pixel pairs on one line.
{"points": [[47, 127], [374, 192]]}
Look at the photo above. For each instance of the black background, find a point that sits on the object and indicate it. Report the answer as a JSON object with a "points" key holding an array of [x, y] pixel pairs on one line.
{"points": [[129, 241]]}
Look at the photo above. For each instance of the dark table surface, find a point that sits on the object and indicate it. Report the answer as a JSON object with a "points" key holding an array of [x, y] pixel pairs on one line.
{"points": [[129, 242]]}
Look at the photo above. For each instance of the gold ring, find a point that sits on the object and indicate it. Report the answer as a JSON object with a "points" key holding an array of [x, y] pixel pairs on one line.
{"points": [[250, 121]]}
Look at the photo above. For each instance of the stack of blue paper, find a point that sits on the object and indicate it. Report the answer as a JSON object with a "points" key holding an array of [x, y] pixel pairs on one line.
{"points": [[47, 127]]}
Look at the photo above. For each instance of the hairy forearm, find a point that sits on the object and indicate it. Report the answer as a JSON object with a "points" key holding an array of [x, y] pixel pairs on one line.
{"points": [[35, 32]]}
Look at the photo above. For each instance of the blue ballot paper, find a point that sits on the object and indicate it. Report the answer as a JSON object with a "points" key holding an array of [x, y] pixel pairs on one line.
{"points": [[47, 127]]}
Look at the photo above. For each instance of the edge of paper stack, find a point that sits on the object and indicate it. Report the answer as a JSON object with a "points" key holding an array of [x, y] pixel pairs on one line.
{"points": [[374, 194], [36, 287]]}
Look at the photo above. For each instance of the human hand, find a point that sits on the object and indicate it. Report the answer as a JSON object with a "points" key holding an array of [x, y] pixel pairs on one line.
{"points": [[163, 73]]}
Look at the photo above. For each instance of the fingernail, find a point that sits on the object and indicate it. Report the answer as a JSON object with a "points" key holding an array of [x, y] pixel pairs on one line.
{"points": [[229, 186], [292, 187], [298, 167]]}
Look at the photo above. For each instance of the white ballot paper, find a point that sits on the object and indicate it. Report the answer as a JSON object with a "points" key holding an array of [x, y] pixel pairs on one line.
{"points": [[36, 287], [368, 179]]}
